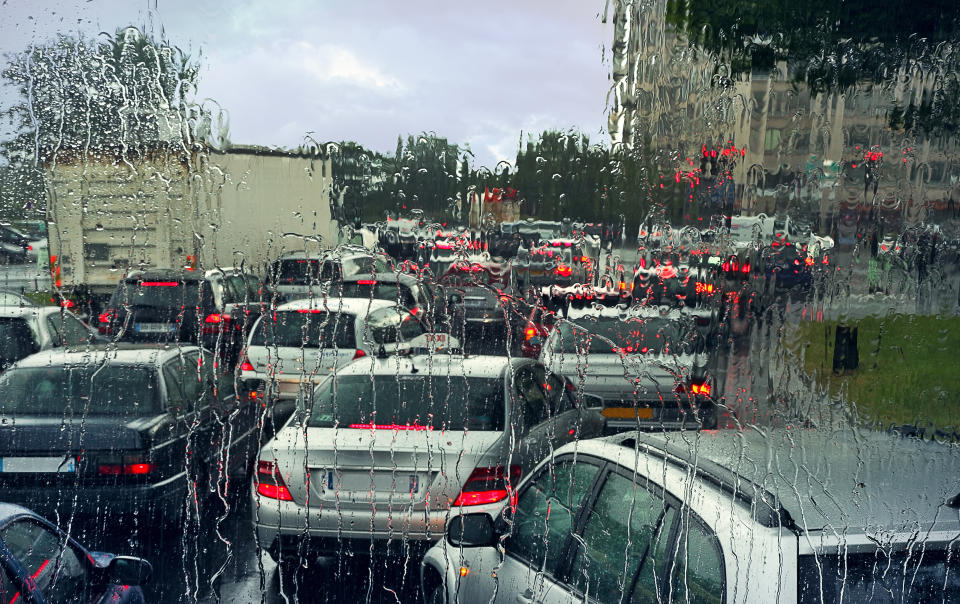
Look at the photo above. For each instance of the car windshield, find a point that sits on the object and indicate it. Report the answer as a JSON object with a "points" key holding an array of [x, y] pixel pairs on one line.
{"points": [[307, 329], [626, 336], [300, 271], [78, 390], [158, 293], [378, 290], [451, 403]]}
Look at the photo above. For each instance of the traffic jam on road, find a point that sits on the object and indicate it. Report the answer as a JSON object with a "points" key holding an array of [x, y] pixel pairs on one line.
{"points": [[479, 428], [701, 346]]}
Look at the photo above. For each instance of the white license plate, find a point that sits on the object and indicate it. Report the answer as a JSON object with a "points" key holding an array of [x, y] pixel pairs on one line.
{"points": [[382, 482], [154, 327], [31, 465]]}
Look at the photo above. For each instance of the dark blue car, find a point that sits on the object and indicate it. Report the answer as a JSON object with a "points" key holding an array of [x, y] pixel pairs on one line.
{"points": [[39, 563], [789, 267]]}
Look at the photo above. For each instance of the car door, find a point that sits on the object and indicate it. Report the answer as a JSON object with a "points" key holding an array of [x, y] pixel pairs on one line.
{"points": [[59, 571], [546, 513]]}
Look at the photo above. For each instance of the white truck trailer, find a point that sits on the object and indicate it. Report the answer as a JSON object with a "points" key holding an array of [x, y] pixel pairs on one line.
{"points": [[170, 208]]}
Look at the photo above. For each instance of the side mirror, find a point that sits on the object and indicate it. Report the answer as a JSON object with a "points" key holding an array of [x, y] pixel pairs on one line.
{"points": [[129, 570], [471, 530]]}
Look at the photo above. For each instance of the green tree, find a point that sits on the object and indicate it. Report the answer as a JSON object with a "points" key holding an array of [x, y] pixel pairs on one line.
{"points": [[123, 90]]}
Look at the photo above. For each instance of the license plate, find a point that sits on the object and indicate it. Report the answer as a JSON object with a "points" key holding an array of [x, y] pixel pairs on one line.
{"points": [[383, 482], [154, 327], [628, 413], [34, 465]]}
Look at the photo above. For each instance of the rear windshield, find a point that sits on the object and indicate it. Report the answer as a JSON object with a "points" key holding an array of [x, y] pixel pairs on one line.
{"points": [[302, 271], [409, 402], [307, 329], [653, 335], [379, 290], [921, 575], [160, 294], [86, 390]]}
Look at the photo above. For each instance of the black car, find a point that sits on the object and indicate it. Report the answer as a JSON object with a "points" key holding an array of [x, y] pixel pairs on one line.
{"points": [[480, 318], [214, 309], [129, 433], [39, 563], [14, 246]]}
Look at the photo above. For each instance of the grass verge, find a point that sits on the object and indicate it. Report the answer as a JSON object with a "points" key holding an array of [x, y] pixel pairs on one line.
{"points": [[909, 371]]}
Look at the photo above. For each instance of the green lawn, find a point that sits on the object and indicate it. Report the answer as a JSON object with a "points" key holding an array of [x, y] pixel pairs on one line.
{"points": [[909, 369]]}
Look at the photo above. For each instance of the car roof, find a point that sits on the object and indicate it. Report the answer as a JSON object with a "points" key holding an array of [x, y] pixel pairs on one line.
{"points": [[438, 364], [355, 306], [9, 511], [842, 480], [125, 354]]}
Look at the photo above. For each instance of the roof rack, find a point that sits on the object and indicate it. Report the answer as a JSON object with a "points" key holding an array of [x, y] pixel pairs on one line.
{"points": [[767, 507]]}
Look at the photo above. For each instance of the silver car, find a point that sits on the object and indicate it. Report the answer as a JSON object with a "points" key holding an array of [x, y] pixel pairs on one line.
{"points": [[391, 446], [799, 516], [293, 348], [647, 366]]}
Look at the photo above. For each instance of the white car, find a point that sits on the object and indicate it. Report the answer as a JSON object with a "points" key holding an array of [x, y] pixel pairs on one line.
{"points": [[791, 515], [393, 445], [25, 330], [304, 275], [294, 348], [647, 365]]}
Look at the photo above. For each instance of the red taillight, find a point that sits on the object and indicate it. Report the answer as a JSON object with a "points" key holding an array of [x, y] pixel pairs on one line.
{"points": [[529, 333], [745, 268], [29, 248], [701, 389], [270, 483], [564, 271], [415, 310], [397, 427], [215, 323], [488, 485], [105, 317], [160, 284], [246, 365], [366, 282], [808, 261], [359, 354], [128, 469]]}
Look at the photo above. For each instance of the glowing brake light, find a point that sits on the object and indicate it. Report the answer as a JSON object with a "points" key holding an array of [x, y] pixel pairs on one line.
{"points": [[488, 485], [217, 318], [246, 365], [745, 268], [703, 389], [564, 271], [270, 482], [160, 284], [399, 427], [359, 354], [366, 282], [529, 333], [808, 261]]}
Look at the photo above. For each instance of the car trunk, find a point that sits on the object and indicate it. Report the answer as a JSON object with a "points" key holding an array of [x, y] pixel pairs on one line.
{"points": [[401, 468]]}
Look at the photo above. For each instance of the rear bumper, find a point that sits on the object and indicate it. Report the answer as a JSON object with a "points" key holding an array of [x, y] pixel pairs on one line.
{"points": [[285, 525], [702, 414]]}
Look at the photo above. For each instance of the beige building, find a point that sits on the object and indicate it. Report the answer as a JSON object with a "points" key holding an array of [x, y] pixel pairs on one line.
{"points": [[801, 151]]}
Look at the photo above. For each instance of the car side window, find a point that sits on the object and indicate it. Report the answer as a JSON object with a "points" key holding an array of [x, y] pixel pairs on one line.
{"points": [[68, 330], [546, 510], [698, 572], [59, 572], [531, 398], [648, 585], [616, 539], [176, 400]]}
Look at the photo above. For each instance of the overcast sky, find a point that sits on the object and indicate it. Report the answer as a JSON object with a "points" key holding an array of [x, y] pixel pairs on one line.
{"points": [[367, 70]]}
